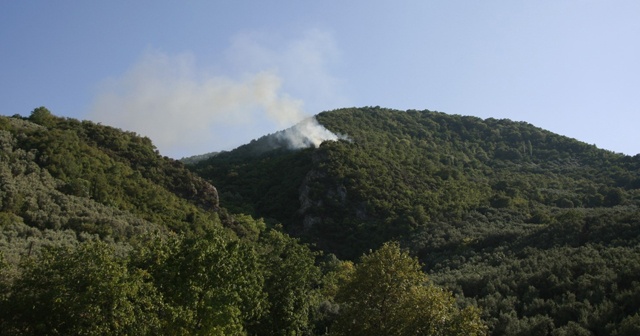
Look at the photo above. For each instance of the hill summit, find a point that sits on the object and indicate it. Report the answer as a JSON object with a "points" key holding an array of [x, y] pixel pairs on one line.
{"points": [[401, 170], [535, 227], [407, 222]]}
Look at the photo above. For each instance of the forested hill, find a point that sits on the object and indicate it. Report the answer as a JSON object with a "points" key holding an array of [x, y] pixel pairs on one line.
{"points": [[539, 229], [402, 170], [100, 235], [67, 174]]}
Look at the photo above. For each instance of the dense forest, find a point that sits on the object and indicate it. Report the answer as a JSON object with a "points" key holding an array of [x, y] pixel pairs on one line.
{"points": [[539, 231], [100, 235], [417, 223]]}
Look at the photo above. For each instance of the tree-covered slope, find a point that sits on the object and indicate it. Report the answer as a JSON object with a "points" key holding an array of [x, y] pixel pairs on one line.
{"points": [[100, 235], [64, 182], [539, 229], [56, 172], [403, 170]]}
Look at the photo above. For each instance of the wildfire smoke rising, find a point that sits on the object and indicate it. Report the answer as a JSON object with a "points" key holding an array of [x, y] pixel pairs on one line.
{"points": [[189, 109], [305, 134], [308, 133]]}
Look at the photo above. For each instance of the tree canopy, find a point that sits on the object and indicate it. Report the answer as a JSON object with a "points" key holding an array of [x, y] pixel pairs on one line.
{"points": [[493, 209], [388, 294], [420, 223]]}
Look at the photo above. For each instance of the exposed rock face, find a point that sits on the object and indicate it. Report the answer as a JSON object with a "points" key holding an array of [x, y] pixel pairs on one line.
{"points": [[306, 202], [209, 196], [310, 221], [316, 191]]}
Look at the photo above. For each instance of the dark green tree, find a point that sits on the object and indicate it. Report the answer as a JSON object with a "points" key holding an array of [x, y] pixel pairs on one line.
{"points": [[291, 279], [42, 116]]}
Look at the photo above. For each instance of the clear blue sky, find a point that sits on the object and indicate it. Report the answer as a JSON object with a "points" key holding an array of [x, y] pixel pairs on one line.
{"points": [[201, 76]]}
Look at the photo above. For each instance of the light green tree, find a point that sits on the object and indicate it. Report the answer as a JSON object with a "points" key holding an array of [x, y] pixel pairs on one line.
{"points": [[388, 294], [212, 286], [81, 291]]}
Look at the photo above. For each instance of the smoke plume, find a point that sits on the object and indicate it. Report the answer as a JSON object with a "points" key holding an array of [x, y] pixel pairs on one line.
{"points": [[187, 109], [308, 133]]}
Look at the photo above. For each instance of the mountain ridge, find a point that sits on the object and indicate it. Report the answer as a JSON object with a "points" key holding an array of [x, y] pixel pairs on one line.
{"points": [[466, 152], [537, 230], [534, 227]]}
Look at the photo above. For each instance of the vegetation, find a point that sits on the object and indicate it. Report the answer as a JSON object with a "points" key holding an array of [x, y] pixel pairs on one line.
{"points": [[99, 234], [387, 294], [422, 223], [538, 230]]}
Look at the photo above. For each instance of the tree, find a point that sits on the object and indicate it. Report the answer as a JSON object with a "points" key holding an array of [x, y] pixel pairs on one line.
{"points": [[388, 294], [4, 284], [42, 116], [82, 291], [629, 326], [212, 286], [291, 279]]}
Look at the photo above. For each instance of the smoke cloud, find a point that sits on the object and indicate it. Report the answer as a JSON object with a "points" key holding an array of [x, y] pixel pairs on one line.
{"points": [[188, 110], [308, 133]]}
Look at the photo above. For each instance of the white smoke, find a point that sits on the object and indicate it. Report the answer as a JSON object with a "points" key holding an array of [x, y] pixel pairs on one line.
{"points": [[304, 63], [188, 110], [308, 133]]}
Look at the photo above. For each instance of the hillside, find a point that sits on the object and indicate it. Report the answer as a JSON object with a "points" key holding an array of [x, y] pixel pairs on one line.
{"points": [[62, 174], [402, 170], [540, 230], [101, 235]]}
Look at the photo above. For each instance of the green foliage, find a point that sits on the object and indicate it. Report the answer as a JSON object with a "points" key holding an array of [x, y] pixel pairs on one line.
{"points": [[539, 231], [85, 291], [211, 286], [42, 116], [165, 284], [351, 196], [263, 184], [245, 226], [291, 279], [5, 281], [467, 196], [537, 279], [388, 294], [56, 177], [629, 326], [69, 184]]}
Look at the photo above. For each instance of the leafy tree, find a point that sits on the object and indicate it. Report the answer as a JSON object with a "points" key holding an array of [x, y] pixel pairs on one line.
{"points": [[389, 295], [291, 279], [629, 326], [212, 286], [4, 284], [83, 291], [335, 273], [42, 116]]}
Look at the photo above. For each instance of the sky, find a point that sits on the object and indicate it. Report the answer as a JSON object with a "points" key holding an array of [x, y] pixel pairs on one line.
{"points": [[202, 76]]}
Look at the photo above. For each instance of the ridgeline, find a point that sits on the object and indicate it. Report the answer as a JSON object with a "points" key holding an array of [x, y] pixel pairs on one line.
{"points": [[529, 232], [539, 230]]}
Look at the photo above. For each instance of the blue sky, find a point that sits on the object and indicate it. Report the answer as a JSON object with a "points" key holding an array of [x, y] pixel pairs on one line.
{"points": [[201, 76]]}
